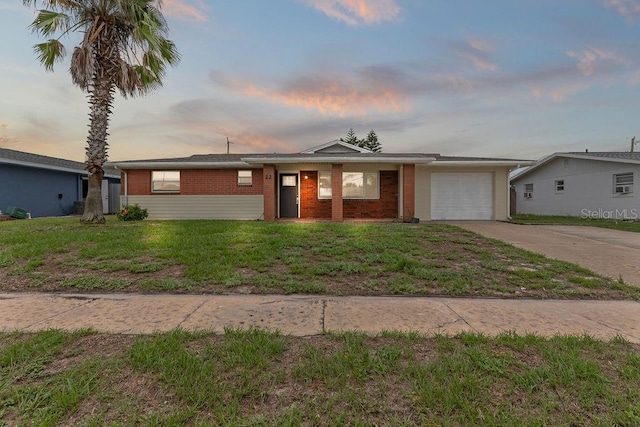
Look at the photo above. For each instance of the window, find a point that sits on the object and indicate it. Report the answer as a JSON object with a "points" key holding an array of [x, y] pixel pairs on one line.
{"points": [[560, 186], [245, 177], [528, 191], [623, 183], [165, 181], [565, 163], [324, 184], [355, 185]]}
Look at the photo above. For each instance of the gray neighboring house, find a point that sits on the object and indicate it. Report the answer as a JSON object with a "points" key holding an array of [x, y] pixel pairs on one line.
{"points": [[582, 184], [48, 186]]}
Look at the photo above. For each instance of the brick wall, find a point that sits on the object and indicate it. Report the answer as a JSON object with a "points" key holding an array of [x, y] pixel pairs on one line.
{"points": [[270, 188], [310, 205], [138, 182], [384, 208], [222, 182]]}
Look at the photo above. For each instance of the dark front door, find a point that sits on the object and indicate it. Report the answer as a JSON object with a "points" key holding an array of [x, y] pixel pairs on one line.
{"points": [[288, 196]]}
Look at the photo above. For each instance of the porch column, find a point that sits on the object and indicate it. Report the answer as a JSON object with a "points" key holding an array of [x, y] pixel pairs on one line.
{"points": [[408, 192], [336, 193], [269, 192]]}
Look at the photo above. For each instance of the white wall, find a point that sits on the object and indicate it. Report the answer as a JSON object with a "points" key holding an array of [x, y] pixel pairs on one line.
{"points": [[588, 190], [201, 207]]}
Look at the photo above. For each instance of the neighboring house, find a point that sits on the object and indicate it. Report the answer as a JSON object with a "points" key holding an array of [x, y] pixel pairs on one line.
{"points": [[596, 185], [333, 181], [48, 186]]}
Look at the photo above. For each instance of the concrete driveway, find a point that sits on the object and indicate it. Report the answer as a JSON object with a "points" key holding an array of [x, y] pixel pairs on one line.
{"points": [[611, 253]]}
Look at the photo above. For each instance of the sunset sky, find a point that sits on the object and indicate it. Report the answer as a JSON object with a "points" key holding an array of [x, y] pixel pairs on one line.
{"points": [[502, 78]]}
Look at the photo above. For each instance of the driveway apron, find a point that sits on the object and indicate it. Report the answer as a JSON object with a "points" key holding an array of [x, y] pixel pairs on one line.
{"points": [[611, 253]]}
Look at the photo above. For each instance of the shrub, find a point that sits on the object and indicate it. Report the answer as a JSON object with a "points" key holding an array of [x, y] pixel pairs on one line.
{"points": [[132, 213]]}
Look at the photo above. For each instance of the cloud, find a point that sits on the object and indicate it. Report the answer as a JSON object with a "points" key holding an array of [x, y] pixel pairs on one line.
{"points": [[627, 8], [476, 51], [589, 59], [560, 92], [355, 94], [357, 12], [183, 11]]}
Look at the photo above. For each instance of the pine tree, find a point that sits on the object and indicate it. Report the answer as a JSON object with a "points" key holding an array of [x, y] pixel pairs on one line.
{"points": [[371, 142], [351, 138]]}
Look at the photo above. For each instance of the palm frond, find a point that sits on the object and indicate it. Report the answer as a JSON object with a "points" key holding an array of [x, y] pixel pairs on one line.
{"points": [[48, 22], [49, 53]]}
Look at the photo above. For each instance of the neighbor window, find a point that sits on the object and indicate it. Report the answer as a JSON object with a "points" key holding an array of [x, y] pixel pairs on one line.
{"points": [[165, 181], [528, 191], [560, 186], [355, 185], [245, 177], [623, 183]]}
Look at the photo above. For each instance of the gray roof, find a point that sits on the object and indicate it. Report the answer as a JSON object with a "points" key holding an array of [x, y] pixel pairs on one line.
{"points": [[605, 156], [15, 157], [240, 158]]}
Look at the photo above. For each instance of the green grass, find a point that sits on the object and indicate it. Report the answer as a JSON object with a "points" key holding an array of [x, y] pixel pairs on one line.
{"points": [[270, 257], [572, 220], [262, 378]]}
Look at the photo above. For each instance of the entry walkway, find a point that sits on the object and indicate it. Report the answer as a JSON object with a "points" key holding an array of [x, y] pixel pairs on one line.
{"points": [[312, 315]]}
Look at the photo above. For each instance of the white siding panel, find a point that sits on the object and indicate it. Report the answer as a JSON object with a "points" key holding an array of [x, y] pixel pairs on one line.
{"points": [[588, 190], [462, 196], [201, 207]]}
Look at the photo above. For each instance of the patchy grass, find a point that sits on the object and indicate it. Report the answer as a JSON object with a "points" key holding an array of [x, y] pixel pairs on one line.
{"points": [[572, 220], [257, 378], [258, 257]]}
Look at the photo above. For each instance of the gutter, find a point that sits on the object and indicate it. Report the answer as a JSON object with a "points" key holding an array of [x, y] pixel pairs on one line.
{"points": [[339, 160], [49, 167], [489, 163], [178, 165]]}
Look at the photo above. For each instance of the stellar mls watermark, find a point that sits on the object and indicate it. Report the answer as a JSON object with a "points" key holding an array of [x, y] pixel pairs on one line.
{"points": [[629, 214]]}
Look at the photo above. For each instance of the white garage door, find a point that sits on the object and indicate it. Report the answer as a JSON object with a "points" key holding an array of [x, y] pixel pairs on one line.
{"points": [[461, 196]]}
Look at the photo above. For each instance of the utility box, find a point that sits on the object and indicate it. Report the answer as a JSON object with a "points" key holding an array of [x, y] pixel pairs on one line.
{"points": [[14, 212]]}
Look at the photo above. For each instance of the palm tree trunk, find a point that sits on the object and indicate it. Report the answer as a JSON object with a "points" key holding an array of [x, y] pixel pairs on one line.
{"points": [[100, 99]]}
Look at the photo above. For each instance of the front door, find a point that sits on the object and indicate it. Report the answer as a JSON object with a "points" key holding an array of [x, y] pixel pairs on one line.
{"points": [[289, 196]]}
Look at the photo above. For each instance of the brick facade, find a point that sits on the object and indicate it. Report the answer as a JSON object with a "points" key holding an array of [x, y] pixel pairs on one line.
{"points": [[222, 182], [383, 208], [310, 205], [270, 189], [225, 182], [336, 193]]}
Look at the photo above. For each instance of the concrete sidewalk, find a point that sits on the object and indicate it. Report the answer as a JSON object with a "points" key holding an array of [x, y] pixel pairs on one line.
{"points": [[312, 315]]}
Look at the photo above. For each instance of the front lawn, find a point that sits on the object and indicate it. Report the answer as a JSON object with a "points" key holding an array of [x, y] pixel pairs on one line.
{"points": [[274, 257], [258, 378], [615, 224]]}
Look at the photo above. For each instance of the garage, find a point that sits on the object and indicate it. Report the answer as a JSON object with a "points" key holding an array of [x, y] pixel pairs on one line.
{"points": [[462, 196]]}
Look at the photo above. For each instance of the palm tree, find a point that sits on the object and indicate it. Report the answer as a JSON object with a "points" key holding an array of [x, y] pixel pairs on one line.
{"points": [[123, 47]]}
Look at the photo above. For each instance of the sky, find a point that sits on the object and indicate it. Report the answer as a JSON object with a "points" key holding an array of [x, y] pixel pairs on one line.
{"points": [[499, 78]]}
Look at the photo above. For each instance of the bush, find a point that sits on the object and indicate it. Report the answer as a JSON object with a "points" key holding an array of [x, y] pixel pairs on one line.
{"points": [[132, 213]]}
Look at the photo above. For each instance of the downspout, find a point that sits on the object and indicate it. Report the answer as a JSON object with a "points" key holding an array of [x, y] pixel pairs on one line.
{"points": [[401, 193], [126, 185]]}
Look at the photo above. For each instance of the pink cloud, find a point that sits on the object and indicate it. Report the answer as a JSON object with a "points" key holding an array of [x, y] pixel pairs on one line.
{"points": [[476, 50], [331, 96], [627, 8], [589, 59], [357, 12], [183, 11]]}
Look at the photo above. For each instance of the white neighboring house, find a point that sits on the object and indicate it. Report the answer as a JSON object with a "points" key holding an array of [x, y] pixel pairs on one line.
{"points": [[589, 184]]}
